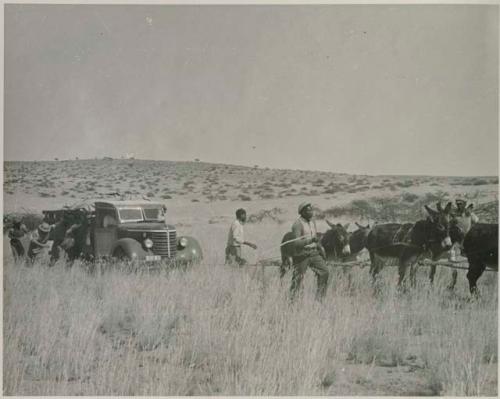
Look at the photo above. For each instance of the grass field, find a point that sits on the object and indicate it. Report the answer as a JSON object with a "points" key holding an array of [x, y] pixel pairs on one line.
{"points": [[217, 330]]}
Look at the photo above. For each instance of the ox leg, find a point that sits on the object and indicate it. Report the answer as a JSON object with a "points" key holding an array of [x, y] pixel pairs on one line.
{"points": [[346, 272], [402, 273], [374, 266], [476, 268], [413, 275], [454, 275], [286, 263], [403, 265], [413, 263], [432, 273]]}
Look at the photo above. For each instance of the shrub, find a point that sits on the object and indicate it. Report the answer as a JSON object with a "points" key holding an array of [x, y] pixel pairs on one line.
{"points": [[409, 197], [272, 214]]}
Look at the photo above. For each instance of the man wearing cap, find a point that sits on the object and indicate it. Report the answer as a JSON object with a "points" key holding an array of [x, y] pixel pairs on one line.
{"points": [[39, 241], [462, 210], [308, 252], [235, 239]]}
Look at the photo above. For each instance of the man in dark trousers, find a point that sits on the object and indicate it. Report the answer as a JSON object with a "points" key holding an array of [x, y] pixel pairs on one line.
{"points": [[308, 252]]}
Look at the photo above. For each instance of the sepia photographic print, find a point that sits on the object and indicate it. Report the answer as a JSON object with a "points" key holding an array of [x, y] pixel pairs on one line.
{"points": [[250, 199]]}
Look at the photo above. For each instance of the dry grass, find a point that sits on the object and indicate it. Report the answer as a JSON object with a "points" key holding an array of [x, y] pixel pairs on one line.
{"points": [[217, 330]]}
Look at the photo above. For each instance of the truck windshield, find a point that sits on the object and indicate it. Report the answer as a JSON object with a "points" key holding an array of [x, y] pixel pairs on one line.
{"points": [[130, 214], [154, 214]]}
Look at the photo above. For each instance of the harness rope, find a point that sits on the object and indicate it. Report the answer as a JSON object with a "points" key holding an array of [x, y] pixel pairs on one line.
{"points": [[362, 263], [261, 262]]}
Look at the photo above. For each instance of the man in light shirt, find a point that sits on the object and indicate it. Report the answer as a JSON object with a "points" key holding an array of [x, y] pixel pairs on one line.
{"points": [[235, 240], [308, 252]]}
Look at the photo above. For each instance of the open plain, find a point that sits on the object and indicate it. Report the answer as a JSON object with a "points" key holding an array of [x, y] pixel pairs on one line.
{"points": [[217, 330]]}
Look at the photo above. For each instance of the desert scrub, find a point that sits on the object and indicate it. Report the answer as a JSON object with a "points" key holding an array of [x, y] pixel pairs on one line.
{"points": [[270, 214]]}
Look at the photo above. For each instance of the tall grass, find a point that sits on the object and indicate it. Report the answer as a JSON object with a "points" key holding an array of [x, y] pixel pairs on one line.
{"points": [[217, 330]]}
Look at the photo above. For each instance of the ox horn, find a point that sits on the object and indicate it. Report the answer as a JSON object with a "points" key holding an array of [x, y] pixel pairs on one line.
{"points": [[329, 223]]}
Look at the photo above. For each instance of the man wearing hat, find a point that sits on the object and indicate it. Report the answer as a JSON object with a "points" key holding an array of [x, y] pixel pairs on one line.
{"points": [[236, 240], [308, 252], [39, 241]]}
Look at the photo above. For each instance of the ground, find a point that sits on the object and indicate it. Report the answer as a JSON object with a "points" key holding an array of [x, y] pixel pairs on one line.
{"points": [[233, 330]]}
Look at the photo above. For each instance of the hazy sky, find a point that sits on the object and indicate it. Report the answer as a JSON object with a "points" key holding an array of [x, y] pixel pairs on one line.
{"points": [[360, 89]]}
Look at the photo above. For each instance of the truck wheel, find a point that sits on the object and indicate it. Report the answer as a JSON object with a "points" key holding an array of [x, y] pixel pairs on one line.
{"points": [[120, 254]]}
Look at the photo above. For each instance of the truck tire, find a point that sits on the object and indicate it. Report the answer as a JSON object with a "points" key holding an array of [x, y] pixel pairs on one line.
{"points": [[120, 254]]}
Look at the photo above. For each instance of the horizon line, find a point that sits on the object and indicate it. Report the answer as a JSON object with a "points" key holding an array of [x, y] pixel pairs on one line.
{"points": [[250, 167]]}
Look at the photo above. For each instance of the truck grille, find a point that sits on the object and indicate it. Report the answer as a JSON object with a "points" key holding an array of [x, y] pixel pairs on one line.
{"points": [[164, 243]]}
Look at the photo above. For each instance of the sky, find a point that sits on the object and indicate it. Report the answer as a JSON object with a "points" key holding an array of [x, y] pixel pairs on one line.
{"points": [[370, 89]]}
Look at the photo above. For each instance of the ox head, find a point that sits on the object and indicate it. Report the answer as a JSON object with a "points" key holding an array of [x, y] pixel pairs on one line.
{"points": [[359, 237], [461, 222], [338, 239], [363, 229], [438, 230]]}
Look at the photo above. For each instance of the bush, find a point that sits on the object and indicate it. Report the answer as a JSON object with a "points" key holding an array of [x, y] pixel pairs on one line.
{"points": [[243, 197], [272, 214], [409, 197], [480, 182]]}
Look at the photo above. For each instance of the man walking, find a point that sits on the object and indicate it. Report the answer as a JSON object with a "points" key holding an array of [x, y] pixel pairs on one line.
{"points": [[235, 240], [308, 252]]}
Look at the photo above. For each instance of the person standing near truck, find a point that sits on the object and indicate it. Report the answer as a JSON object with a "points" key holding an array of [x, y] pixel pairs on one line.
{"points": [[16, 232], [59, 236], [235, 240], [39, 241]]}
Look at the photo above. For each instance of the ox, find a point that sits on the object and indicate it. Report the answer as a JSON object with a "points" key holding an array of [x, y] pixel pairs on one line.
{"points": [[460, 225], [407, 242], [357, 242], [481, 249]]}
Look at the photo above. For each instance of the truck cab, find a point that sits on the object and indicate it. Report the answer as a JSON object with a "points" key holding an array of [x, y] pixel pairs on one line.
{"points": [[135, 230]]}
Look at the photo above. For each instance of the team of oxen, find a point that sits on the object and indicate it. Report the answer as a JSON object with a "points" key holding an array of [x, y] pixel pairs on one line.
{"points": [[408, 243]]}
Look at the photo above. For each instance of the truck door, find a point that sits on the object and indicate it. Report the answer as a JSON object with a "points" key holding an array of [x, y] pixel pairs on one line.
{"points": [[105, 232]]}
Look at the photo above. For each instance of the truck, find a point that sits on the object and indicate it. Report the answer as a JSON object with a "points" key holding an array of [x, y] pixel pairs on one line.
{"points": [[129, 230]]}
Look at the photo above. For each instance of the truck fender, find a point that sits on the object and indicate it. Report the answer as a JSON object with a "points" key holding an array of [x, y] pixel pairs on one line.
{"points": [[128, 247], [192, 251]]}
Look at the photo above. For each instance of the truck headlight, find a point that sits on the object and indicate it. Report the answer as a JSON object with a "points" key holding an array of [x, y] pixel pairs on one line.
{"points": [[148, 243], [183, 242]]}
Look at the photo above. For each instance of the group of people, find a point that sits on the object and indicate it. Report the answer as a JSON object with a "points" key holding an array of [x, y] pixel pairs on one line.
{"points": [[38, 240], [63, 234], [308, 251]]}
